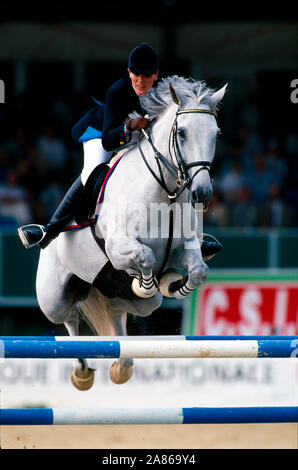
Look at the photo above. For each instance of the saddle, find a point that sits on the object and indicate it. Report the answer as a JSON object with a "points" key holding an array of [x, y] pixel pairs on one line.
{"points": [[94, 190]]}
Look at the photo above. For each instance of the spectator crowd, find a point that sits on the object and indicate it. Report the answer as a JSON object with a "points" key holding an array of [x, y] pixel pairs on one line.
{"points": [[255, 176], [255, 182]]}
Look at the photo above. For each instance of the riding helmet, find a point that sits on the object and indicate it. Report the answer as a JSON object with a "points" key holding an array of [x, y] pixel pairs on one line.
{"points": [[143, 60]]}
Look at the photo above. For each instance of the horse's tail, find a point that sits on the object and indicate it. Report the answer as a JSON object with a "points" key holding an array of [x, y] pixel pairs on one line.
{"points": [[95, 311]]}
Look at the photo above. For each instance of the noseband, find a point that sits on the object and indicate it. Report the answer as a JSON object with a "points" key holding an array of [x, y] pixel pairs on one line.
{"points": [[180, 173]]}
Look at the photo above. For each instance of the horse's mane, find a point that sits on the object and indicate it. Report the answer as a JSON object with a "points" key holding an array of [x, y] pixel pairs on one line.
{"points": [[159, 98]]}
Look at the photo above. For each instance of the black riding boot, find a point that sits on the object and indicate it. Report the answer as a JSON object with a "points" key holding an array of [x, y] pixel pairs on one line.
{"points": [[210, 249], [32, 235]]}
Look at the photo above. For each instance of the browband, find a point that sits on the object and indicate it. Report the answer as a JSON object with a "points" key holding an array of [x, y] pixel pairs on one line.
{"points": [[203, 111]]}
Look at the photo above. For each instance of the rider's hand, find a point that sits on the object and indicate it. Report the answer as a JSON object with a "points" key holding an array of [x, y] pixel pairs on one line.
{"points": [[136, 124]]}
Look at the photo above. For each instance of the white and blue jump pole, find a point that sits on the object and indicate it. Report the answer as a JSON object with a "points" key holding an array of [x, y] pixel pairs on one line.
{"points": [[69, 416], [254, 348], [149, 347], [150, 338]]}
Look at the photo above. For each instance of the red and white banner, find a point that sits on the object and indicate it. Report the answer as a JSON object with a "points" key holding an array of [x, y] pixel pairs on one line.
{"points": [[252, 308]]}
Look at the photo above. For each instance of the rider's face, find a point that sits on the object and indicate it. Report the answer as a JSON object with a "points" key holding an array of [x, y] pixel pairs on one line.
{"points": [[142, 83]]}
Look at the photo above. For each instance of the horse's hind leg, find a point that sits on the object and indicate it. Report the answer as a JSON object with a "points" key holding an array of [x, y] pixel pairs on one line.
{"points": [[58, 292], [106, 317], [82, 376], [122, 369]]}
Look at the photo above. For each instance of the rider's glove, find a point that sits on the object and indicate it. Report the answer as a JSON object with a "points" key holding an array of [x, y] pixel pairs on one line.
{"points": [[136, 124]]}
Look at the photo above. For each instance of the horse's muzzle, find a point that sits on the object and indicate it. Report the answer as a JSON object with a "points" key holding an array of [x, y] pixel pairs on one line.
{"points": [[200, 198]]}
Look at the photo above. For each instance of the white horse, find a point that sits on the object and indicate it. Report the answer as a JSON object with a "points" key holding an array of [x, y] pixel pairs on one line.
{"points": [[168, 168]]}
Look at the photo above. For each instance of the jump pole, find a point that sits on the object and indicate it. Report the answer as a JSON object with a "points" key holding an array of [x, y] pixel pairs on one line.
{"points": [[151, 338], [197, 415], [149, 349]]}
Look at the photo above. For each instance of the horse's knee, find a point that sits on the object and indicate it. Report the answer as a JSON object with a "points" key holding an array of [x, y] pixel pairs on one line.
{"points": [[145, 259], [199, 274]]}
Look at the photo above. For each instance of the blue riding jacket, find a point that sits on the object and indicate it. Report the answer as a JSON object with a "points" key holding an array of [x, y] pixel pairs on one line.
{"points": [[106, 121]]}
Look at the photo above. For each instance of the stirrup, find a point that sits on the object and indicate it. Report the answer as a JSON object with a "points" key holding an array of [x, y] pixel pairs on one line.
{"points": [[23, 238]]}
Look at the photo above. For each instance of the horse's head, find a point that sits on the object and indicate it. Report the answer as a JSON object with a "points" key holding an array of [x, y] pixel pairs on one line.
{"points": [[194, 135]]}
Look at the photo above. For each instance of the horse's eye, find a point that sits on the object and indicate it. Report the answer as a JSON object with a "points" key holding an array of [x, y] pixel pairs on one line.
{"points": [[219, 134], [181, 133]]}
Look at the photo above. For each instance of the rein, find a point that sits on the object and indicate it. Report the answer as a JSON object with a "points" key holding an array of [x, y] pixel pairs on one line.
{"points": [[180, 174]]}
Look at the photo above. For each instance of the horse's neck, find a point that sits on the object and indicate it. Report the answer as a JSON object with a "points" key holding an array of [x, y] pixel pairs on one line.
{"points": [[145, 187], [160, 135]]}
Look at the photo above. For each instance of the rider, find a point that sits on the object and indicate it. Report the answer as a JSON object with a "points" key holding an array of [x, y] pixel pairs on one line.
{"points": [[102, 130]]}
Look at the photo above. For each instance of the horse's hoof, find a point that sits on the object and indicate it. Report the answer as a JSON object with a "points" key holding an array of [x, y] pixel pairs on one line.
{"points": [[120, 377], [83, 380], [137, 290], [165, 282]]}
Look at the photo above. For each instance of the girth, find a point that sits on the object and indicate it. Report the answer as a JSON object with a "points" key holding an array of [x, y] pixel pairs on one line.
{"points": [[110, 281]]}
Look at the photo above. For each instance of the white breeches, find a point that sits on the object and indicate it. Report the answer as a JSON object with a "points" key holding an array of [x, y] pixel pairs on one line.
{"points": [[94, 154]]}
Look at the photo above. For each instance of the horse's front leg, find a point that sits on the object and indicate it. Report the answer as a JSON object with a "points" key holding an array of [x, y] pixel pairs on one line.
{"points": [[127, 252], [197, 271]]}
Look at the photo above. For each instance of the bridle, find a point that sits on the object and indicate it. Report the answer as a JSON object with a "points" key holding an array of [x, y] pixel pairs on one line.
{"points": [[180, 173]]}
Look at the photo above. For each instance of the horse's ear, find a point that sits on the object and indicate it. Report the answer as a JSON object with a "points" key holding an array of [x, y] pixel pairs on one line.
{"points": [[174, 94], [218, 95]]}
